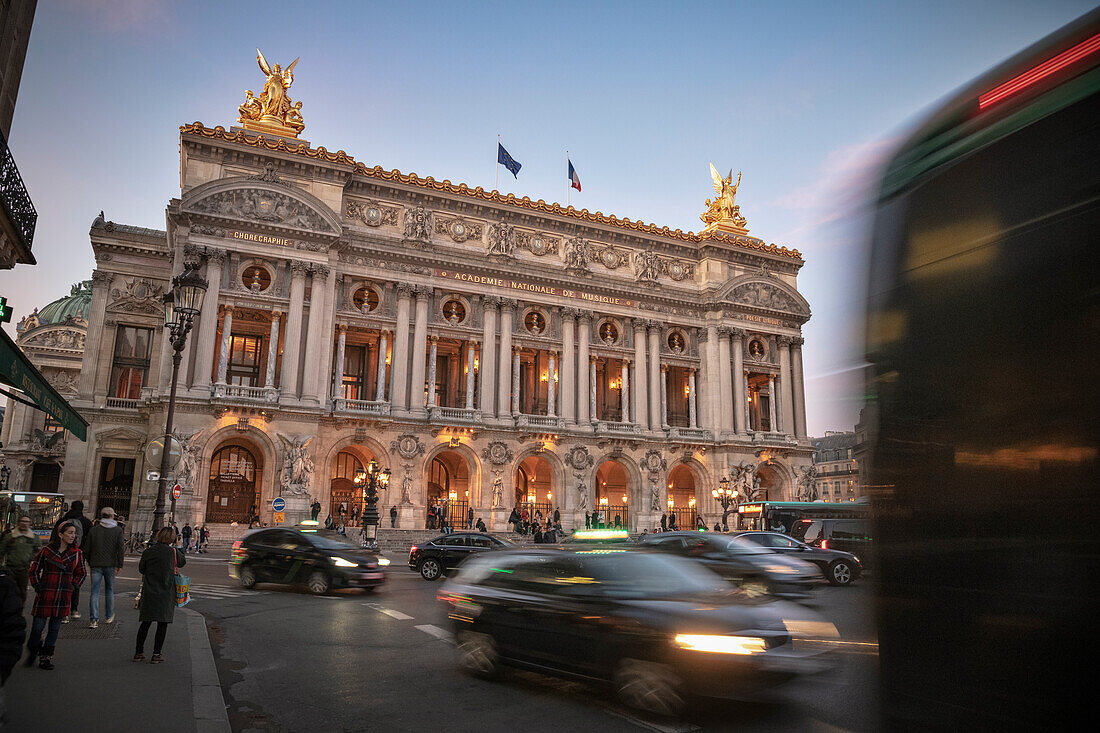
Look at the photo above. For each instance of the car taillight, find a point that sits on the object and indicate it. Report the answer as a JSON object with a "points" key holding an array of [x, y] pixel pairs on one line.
{"points": [[412, 549], [237, 545], [824, 544]]}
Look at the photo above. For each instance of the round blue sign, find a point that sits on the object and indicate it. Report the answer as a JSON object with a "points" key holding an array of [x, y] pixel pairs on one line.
{"points": [[278, 503]]}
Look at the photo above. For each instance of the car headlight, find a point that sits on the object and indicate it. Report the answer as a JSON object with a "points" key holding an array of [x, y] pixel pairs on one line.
{"points": [[342, 563], [383, 561], [782, 569], [721, 644], [856, 557]]}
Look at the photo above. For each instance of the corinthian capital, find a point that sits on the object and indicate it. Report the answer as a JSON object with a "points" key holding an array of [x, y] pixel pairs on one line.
{"points": [[423, 292], [571, 313], [321, 270], [783, 341], [724, 332], [509, 304], [298, 268], [798, 341], [491, 301], [738, 333], [405, 290], [101, 278], [215, 256]]}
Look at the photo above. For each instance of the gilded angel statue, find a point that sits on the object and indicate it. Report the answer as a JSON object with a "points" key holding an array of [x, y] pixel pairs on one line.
{"points": [[274, 99], [724, 203]]}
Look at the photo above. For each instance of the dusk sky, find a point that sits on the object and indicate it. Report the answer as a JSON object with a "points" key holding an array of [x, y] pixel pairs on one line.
{"points": [[806, 99]]}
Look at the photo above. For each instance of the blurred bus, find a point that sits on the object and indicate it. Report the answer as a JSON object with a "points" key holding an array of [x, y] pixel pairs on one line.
{"points": [[983, 324], [782, 516], [43, 508]]}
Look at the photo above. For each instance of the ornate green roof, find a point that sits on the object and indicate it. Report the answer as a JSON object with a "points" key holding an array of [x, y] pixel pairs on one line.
{"points": [[77, 303]]}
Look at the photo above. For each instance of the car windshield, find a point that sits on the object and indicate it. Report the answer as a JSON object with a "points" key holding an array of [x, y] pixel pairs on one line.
{"points": [[330, 543], [741, 546], [645, 575]]}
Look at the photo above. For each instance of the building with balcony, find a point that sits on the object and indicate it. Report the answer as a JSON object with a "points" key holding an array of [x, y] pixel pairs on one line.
{"points": [[17, 213], [838, 468], [489, 350]]}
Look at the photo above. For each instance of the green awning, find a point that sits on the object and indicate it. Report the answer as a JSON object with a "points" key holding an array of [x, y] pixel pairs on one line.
{"points": [[16, 369]]}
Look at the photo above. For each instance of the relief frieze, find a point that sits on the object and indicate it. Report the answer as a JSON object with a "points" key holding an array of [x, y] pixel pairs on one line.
{"points": [[371, 213], [260, 205]]}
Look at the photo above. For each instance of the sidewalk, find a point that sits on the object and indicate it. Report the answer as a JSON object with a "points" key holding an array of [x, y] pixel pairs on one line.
{"points": [[96, 687]]}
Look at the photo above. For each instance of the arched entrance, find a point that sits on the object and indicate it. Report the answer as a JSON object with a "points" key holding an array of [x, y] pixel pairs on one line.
{"points": [[534, 488], [232, 496], [448, 490], [612, 495], [770, 484], [347, 487], [681, 496]]}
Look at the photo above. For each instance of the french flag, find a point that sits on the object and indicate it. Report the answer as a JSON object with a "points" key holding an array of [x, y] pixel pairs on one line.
{"points": [[574, 179]]}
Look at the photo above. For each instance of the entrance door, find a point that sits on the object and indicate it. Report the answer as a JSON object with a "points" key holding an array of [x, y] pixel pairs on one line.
{"points": [[232, 493], [116, 484]]}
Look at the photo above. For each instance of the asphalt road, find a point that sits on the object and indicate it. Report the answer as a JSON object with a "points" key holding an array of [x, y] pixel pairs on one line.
{"points": [[290, 661]]}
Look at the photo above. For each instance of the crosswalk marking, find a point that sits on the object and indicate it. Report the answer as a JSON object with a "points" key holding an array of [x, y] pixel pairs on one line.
{"points": [[441, 634], [389, 612]]}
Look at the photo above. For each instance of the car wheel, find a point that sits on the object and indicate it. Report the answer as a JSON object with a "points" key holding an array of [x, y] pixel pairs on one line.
{"points": [[318, 583], [477, 654], [430, 569], [247, 577], [840, 573], [649, 686]]}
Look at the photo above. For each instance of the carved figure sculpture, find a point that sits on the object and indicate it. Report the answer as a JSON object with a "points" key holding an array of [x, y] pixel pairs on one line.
{"points": [[274, 105], [297, 464], [582, 492], [647, 266], [807, 483], [406, 490], [576, 255], [498, 493]]}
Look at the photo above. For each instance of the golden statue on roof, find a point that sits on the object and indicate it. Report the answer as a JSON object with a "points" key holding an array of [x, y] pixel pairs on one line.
{"points": [[272, 111], [723, 213]]}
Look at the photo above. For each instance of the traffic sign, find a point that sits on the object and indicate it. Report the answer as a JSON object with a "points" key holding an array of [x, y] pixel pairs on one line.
{"points": [[280, 517], [176, 491], [152, 476], [278, 503]]}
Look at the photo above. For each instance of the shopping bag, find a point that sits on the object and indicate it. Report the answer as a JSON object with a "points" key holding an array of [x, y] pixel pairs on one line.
{"points": [[137, 598], [183, 583]]}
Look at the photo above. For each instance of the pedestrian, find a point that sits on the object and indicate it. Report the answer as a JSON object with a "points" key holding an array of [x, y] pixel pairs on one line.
{"points": [[393, 516], [700, 524], [186, 534], [55, 572], [481, 525], [105, 550], [664, 522], [157, 566], [355, 513], [513, 520], [644, 532], [538, 534], [13, 629], [204, 537], [717, 527], [329, 524], [557, 516], [17, 550], [587, 520], [469, 517], [315, 510], [443, 517], [538, 516], [672, 523], [83, 526], [253, 517], [525, 518]]}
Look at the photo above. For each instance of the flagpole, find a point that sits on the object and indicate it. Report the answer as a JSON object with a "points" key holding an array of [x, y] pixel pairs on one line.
{"points": [[496, 168], [568, 183]]}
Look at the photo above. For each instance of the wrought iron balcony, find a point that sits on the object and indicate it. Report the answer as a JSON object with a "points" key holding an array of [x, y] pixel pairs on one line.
{"points": [[17, 202]]}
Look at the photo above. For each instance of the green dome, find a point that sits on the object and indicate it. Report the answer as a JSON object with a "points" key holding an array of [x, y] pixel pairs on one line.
{"points": [[77, 303]]}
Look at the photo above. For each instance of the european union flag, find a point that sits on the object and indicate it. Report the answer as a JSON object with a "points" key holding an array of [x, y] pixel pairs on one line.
{"points": [[508, 161]]}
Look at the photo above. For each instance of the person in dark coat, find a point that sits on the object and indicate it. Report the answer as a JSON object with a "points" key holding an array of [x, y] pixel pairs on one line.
{"points": [[664, 522], [314, 510], [56, 571], [672, 526], [17, 550], [158, 592], [513, 519], [13, 628], [481, 525], [557, 516], [393, 516], [469, 517], [587, 520], [83, 526]]}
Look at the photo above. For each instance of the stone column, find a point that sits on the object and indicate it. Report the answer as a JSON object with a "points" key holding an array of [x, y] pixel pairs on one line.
{"points": [[433, 357], [488, 354], [504, 385], [641, 406], [740, 385], [592, 389], [568, 365], [771, 402], [552, 385], [471, 353], [101, 284], [626, 392], [515, 381], [584, 413], [709, 361], [798, 385], [399, 364], [656, 420], [288, 385], [227, 334], [272, 350], [692, 407], [338, 368], [786, 393], [311, 376], [380, 377], [328, 325], [417, 398], [664, 395], [208, 321], [725, 384]]}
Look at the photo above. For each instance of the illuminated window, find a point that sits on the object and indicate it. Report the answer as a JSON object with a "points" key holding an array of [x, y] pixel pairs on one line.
{"points": [[365, 299], [244, 361], [256, 278], [131, 361]]}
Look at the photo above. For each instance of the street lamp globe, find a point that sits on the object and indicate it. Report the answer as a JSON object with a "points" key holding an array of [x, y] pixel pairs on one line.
{"points": [[189, 287], [171, 316]]}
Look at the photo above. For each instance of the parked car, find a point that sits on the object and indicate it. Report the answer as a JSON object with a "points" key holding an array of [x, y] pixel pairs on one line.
{"points": [[838, 567], [655, 626], [745, 563], [436, 557], [849, 535], [321, 560]]}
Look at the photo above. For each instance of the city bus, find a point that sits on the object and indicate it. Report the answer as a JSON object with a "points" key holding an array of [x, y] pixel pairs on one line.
{"points": [[43, 508], [782, 516], [982, 337]]}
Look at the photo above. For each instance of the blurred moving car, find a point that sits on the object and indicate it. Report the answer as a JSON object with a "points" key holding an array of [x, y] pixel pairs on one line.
{"points": [[655, 626], [745, 563], [435, 557], [847, 535], [838, 567], [321, 560]]}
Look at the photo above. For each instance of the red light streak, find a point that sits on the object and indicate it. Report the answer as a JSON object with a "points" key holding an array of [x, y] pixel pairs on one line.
{"points": [[1040, 72]]}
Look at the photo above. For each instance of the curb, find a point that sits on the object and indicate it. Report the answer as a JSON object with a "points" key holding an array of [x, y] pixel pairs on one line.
{"points": [[206, 690]]}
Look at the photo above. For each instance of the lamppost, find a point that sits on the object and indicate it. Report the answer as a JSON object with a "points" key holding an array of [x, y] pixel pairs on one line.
{"points": [[725, 496], [375, 478], [181, 305]]}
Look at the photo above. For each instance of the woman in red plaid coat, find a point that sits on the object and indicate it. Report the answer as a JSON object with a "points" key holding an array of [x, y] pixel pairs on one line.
{"points": [[55, 572]]}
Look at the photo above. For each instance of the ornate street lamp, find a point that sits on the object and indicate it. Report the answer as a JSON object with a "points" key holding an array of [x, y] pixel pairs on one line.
{"points": [[375, 479], [181, 304], [725, 496]]}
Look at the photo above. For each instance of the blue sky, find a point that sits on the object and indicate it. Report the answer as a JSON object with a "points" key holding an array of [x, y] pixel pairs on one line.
{"points": [[806, 98]]}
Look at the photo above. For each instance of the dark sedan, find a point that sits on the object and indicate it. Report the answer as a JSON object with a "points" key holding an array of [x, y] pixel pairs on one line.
{"points": [[838, 567], [655, 626], [436, 557], [750, 566], [320, 560]]}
